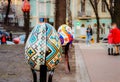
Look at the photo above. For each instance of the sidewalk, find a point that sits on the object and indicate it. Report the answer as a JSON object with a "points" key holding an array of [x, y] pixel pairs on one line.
{"points": [[96, 65], [89, 64], [13, 67]]}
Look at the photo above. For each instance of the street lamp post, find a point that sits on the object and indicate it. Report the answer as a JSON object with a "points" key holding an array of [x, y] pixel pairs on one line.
{"points": [[26, 11]]}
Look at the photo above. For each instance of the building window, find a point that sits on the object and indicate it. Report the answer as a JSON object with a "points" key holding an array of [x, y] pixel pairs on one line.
{"points": [[83, 6], [103, 6]]}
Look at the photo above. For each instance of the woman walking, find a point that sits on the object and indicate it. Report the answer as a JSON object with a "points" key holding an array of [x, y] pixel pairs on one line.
{"points": [[89, 35]]}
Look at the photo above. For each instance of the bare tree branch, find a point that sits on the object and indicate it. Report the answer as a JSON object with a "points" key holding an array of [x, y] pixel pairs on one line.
{"points": [[94, 4], [109, 6], [7, 12], [106, 3]]}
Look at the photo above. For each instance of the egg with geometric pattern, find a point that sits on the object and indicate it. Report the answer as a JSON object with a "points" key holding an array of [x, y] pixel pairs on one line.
{"points": [[43, 47]]}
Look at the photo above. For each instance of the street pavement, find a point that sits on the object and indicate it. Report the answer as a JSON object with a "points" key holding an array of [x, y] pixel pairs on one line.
{"points": [[13, 67], [94, 65], [88, 64]]}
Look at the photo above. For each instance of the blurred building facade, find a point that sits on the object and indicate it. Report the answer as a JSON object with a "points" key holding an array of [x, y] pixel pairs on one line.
{"points": [[39, 9], [42, 9], [82, 12], [15, 15]]}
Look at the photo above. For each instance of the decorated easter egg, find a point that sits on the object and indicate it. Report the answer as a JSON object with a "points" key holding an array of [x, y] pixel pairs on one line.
{"points": [[43, 47], [65, 34]]}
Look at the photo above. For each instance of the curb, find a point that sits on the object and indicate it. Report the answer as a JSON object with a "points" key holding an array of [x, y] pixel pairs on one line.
{"points": [[81, 69]]}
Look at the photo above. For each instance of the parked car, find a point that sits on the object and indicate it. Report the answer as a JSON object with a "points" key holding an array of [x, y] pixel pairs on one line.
{"points": [[8, 43], [20, 39], [105, 39]]}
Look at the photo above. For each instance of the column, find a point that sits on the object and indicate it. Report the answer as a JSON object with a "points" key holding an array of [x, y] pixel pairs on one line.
{"points": [[37, 11]]}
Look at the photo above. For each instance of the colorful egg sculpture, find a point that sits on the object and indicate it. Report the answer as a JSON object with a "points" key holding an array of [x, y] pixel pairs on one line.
{"points": [[65, 34], [16, 40], [43, 47]]}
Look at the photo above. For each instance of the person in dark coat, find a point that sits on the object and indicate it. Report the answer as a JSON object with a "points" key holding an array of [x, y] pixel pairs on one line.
{"points": [[10, 36]]}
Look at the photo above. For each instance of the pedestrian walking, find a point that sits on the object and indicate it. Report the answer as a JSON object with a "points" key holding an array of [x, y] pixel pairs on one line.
{"points": [[108, 29], [116, 37], [89, 35], [103, 29], [3, 39], [10, 34]]}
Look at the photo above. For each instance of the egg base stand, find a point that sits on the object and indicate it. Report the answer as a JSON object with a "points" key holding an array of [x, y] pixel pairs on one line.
{"points": [[34, 75], [50, 75], [43, 74], [67, 68]]}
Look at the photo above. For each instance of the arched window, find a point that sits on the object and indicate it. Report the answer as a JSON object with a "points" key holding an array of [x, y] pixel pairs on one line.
{"points": [[83, 6], [103, 9]]}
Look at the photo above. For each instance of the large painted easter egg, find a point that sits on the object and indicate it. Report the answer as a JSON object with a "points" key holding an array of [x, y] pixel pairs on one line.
{"points": [[43, 47], [65, 34]]}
